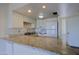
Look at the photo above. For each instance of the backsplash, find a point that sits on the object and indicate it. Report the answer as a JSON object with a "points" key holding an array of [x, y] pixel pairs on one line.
{"points": [[15, 31], [19, 31]]}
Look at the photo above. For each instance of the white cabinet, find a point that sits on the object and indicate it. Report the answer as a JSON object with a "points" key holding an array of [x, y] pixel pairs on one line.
{"points": [[2, 47], [47, 27], [73, 31], [17, 20], [17, 23], [30, 21]]}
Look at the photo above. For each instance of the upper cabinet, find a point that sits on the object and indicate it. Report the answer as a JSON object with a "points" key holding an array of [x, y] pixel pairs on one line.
{"points": [[47, 27], [17, 23], [30, 21], [17, 20]]}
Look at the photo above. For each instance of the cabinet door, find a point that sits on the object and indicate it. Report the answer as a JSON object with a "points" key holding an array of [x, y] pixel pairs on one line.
{"points": [[51, 27], [17, 20], [73, 31]]}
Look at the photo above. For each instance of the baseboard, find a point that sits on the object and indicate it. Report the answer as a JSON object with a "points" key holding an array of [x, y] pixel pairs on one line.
{"points": [[73, 46]]}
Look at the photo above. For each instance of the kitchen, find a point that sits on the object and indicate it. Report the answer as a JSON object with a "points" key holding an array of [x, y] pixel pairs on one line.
{"points": [[34, 31]]}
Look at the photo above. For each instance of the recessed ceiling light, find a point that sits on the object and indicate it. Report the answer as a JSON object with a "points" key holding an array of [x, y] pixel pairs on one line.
{"points": [[41, 16], [43, 6], [29, 11]]}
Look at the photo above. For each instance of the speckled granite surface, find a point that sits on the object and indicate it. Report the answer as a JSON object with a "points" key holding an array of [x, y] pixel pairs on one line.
{"points": [[49, 43]]}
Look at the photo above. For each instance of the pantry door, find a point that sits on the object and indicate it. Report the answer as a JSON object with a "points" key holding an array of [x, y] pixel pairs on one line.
{"points": [[73, 31]]}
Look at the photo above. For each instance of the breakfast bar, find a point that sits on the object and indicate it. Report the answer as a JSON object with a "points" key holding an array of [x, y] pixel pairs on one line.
{"points": [[48, 43]]}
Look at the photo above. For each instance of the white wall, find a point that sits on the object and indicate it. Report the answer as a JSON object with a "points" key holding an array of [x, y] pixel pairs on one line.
{"points": [[4, 14], [3, 19], [62, 31]]}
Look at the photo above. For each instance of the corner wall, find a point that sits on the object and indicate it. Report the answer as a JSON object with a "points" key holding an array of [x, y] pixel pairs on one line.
{"points": [[3, 19]]}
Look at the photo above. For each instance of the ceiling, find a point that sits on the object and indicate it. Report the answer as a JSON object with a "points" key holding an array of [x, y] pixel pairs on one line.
{"points": [[63, 9], [72, 8], [37, 9]]}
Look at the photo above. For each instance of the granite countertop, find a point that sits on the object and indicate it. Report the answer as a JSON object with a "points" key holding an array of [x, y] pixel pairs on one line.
{"points": [[48, 43]]}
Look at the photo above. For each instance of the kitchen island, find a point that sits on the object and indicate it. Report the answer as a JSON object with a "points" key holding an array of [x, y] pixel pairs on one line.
{"points": [[48, 43]]}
